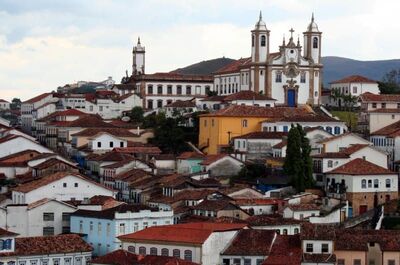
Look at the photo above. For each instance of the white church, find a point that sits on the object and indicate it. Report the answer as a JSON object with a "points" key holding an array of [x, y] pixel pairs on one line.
{"points": [[291, 76]]}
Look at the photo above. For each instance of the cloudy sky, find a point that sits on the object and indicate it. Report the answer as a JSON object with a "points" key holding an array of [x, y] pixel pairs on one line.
{"points": [[48, 43]]}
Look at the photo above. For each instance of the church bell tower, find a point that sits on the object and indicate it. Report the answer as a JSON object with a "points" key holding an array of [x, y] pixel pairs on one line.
{"points": [[138, 64]]}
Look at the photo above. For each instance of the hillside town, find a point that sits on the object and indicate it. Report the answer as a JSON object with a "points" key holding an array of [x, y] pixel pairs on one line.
{"points": [[257, 163]]}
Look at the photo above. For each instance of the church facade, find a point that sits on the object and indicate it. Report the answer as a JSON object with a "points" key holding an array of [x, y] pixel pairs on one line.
{"points": [[291, 76]]}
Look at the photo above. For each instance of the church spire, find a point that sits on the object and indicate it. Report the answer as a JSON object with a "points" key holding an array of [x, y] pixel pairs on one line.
{"points": [[260, 18], [312, 17], [138, 41]]}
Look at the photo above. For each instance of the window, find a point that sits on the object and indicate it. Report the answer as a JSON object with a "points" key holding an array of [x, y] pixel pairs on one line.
{"points": [[284, 232], [357, 262], [159, 89], [81, 226], [33, 262], [159, 103], [111, 144], [48, 231], [99, 228], [337, 130], [65, 217], [259, 261], [150, 89], [315, 42], [135, 227], [121, 229], [371, 262], [48, 216], [303, 77], [329, 129], [398, 105], [247, 262], [121, 144], [98, 144], [263, 41], [369, 183], [330, 163], [212, 122], [244, 123], [363, 184], [285, 128], [188, 90], [236, 261], [76, 184], [376, 183], [383, 105], [387, 183], [131, 249], [309, 247], [278, 77], [145, 225], [179, 90], [142, 250], [150, 104], [187, 255], [391, 262], [340, 262], [153, 251], [296, 231], [64, 185], [56, 261], [324, 248], [393, 116], [78, 261], [67, 261], [374, 105], [176, 253], [164, 252], [205, 123], [252, 40], [100, 108], [169, 89]]}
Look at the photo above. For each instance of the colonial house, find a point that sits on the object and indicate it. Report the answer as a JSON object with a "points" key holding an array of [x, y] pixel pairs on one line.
{"points": [[340, 142], [221, 165], [102, 228], [62, 186], [45, 217], [218, 207], [364, 184], [276, 222], [12, 144], [198, 242], [52, 250], [354, 85], [189, 162], [4, 104]]}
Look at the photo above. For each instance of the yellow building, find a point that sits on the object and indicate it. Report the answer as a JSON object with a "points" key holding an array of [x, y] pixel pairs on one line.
{"points": [[218, 128]]}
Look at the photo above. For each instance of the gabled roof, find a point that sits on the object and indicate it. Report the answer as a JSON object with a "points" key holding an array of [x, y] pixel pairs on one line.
{"points": [[261, 112], [32, 185], [251, 242], [190, 233], [368, 96], [215, 205], [139, 149], [286, 250], [209, 159], [354, 79], [6, 233], [272, 220], [304, 207], [110, 212], [344, 153], [117, 257], [118, 132], [47, 245], [86, 121], [392, 130], [333, 138], [191, 155], [234, 66], [37, 98], [360, 166], [51, 162], [280, 145], [112, 157], [181, 104], [262, 135]]}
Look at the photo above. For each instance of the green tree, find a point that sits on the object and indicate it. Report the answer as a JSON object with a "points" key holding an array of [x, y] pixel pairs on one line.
{"points": [[306, 158], [136, 114], [15, 103], [293, 165], [335, 95], [390, 83], [169, 137]]}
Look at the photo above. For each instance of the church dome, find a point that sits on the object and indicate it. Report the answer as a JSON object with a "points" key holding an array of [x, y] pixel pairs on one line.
{"points": [[312, 27], [260, 25]]}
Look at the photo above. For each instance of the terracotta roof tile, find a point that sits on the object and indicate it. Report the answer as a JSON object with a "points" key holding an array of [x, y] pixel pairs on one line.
{"points": [[262, 135], [385, 111], [163, 260], [4, 233], [37, 98], [286, 250], [250, 242], [392, 130], [181, 104], [265, 220], [262, 112], [234, 66], [118, 132], [360, 166], [354, 79], [304, 207], [110, 212], [190, 233], [191, 155], [319, 258], [30, 246], [368, 96], [247, 95], [117, 257]]}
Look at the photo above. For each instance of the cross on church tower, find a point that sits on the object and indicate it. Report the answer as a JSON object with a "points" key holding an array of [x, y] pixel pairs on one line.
{"points": [[291, 33]]}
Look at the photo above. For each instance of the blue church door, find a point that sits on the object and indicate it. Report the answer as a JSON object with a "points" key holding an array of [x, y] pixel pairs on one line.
{"points": [[291, 100]]}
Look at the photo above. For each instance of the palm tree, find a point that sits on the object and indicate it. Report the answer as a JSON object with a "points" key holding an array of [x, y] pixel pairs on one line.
{"points": [[336, 95]]}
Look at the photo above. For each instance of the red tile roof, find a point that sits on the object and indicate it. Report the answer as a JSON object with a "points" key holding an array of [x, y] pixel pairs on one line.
{"points": [[174, 77], [344, 153], [262, 112], [309, 118], [6, 233], [117, 257], [209, 159], [118, 132], [215, 205], [234, 66], [190, 233], [250, 242], [360, 166], [181, 104], [319, 258], [247, 95], [304, 207], [3, 100], [286, 250], [272, 220], [37, 98], [47, 245], [163, 260], [358, 240], [280, 145], [262, 135], [392, 130], [191, 155], [259, 201], [384, 111], [354, 79], [368, 96], [32, 185], [145, 149]]}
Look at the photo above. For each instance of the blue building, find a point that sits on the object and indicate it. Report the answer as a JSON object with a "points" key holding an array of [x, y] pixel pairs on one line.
{"points": [[101, 228]]}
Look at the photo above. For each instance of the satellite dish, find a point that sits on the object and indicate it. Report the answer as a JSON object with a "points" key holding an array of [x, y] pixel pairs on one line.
{"points": [[126, 118]]}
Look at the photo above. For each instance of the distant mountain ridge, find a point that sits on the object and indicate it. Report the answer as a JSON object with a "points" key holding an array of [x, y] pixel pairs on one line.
{"points": [[334, 67]]}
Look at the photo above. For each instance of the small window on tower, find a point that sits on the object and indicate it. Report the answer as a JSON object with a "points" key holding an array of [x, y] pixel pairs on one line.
{"points": [[315, 42], [252, 40], [263, 40]]}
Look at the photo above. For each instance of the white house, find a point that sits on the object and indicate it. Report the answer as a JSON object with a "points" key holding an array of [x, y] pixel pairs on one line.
{"points": [[62, 186], [51, 250], [387, 139], [198, 242], [221, 165], [340, 142], [15, 143], [363, 183], [41, 218], [354, 85], [301, 211], [4, 104]]}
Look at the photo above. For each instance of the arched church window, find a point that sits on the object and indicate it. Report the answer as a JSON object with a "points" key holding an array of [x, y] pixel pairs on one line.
{"points": [[252, 40], [315, 42], [263, 40]]}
